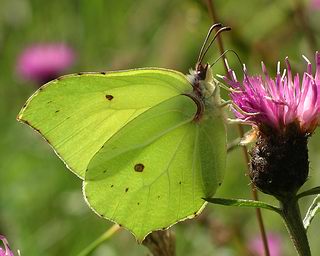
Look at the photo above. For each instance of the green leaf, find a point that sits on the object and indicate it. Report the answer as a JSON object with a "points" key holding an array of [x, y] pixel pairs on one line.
{"points": [[312, 191], [312, 211], [243, 203]]}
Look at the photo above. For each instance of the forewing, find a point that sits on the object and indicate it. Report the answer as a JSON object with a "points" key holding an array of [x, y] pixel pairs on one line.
{"points": [[77, 114]]}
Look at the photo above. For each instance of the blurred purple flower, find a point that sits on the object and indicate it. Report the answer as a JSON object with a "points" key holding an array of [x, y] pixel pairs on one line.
{"points": [[277, 103], [5, 251], [44, 62], [274, 243], [315, 4]]}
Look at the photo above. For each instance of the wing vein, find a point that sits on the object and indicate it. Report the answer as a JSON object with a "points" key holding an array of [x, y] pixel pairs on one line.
{"points": [[152, 139], [211, 143], [180, 187], [195, 154]]}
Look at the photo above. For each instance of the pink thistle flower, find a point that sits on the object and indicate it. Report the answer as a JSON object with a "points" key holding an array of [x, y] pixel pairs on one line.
{"points": [[5, 251], [277, 103], [44, 62], [315, 4], [274, 243]]}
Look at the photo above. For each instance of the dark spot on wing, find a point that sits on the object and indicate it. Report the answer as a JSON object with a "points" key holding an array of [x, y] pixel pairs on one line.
{"points": [[195, 214], [80, 73], [104, 171], [25, 104], [180, 182], [40, 133], [57, 111], [219, 183], [139, 167], [138, 203], [120, 225], [68, 117], [158, 197], [109, 97], [164, 228], [102, 73], [40, 89], [111, 186], [49, 101], [102, 215], [127, 190]]}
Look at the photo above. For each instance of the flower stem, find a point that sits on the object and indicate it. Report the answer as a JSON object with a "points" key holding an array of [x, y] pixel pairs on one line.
{"points": [[306, 28], [255, 196], [254, 192], [106, 235], [292, 218]]}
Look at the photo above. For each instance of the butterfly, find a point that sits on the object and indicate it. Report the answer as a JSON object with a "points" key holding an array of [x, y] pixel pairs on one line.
{"points": [[148, 143]]}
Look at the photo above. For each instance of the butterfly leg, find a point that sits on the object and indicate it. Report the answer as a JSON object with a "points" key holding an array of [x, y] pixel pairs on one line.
{"points": [[247, 138], [225, 103], [233, 144], [235, 121], [222, 85]]}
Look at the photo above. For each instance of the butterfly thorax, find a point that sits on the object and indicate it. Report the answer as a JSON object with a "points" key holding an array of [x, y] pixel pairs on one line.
{"points": [[205, 87]]}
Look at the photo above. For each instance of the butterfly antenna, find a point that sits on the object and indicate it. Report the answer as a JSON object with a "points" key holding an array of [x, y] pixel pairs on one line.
{"points": [[243, 66], [206, 40], [223, 55], [212, 40]]}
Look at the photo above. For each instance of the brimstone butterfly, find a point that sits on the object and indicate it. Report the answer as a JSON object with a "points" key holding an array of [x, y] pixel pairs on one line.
{"points": [[148, 143]]}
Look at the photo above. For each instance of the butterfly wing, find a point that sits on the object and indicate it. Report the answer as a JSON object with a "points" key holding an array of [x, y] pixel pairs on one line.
{"points": [[77, 114], [148, 161], [155, 171]]}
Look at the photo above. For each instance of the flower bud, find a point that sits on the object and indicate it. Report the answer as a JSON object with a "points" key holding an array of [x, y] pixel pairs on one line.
{"points": [[279, 162]]}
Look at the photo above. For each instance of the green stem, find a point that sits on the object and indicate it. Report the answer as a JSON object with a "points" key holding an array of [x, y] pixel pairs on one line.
{"points": [[254, 192], [106, 235], [310, 192], [292, 218]]}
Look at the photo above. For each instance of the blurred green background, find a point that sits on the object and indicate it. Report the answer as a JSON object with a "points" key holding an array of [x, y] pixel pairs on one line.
{"points": [[42, 211]]}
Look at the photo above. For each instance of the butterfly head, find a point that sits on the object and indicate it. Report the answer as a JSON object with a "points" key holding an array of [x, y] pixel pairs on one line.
{"points": [[206, 92], [201, 78], [202, 81], [201, 70]]}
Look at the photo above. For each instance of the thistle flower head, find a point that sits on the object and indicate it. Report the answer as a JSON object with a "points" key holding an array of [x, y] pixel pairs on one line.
{"points": [[5, 250], [285, 111], [275, 104], [43, 62], [315, 4]]}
